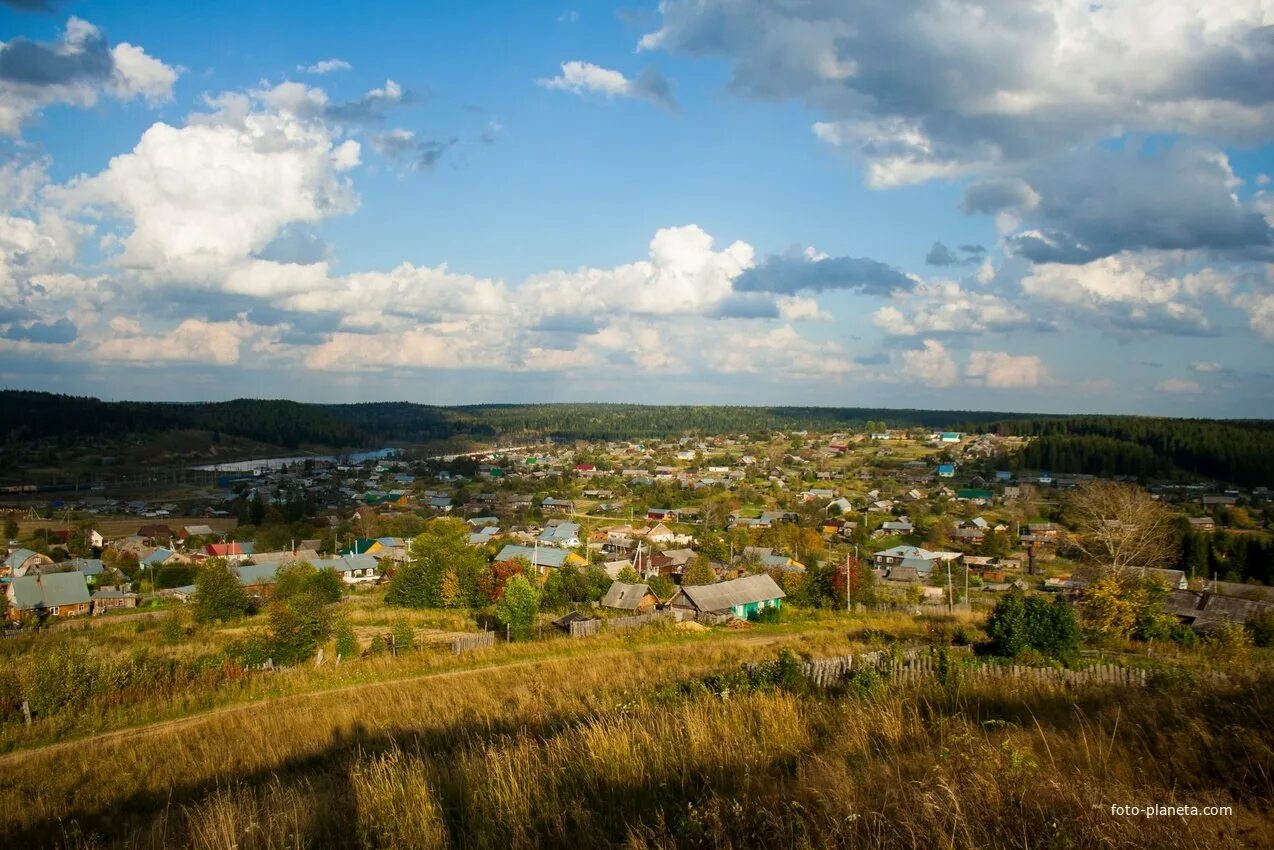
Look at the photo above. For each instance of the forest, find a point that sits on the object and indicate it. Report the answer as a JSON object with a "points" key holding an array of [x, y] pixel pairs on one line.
{"points": [[1235, 451], [1241, 452]]}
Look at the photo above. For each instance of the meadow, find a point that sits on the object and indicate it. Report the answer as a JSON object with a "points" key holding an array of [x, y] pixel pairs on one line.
{"points": [[653, 739]]}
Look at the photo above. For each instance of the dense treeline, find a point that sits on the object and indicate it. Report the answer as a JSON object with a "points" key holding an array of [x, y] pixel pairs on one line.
{"points": [[1228, 556], [1235, 451], [1239, 451], [36, 415], [397, 421]]}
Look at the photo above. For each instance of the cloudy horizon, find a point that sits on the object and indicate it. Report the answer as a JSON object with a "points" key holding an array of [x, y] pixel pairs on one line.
{"points": [[1022, 206]]}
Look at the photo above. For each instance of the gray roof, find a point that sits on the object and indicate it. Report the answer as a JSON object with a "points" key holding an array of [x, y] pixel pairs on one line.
{"points": [[624, 595], [88, 566], [49, 591], [347, 563], [18, 558], [546, 557], [725, 595], [252, 574]]}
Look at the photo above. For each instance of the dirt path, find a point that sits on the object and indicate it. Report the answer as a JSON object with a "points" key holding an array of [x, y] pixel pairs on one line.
{"points": [[194, 719]]}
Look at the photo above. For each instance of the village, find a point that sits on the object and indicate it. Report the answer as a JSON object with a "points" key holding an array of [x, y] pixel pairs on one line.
{"points": [[715, 528]]}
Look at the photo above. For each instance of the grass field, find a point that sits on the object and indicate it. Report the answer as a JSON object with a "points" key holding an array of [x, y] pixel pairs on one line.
{"points": [[633, 741]]}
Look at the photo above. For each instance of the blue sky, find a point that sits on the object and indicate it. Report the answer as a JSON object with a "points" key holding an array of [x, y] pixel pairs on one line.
{"points": [[1025, 206]]}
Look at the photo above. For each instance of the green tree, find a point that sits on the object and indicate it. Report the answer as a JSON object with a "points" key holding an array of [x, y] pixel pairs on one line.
{"points": [[303, 577], [218, 595], [449, 590], [662, 587], [519, 607], [346, 642], [1021, 622], [629, 575], [10, 527], [699, 572], [298, 625], [442, 546], [404, 635]]}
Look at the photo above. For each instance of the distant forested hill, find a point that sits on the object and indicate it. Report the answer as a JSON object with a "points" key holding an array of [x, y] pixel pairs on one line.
{"points": [[1236, 451], [35, 415]]}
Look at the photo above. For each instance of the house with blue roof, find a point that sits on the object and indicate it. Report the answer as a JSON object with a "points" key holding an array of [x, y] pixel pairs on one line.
{"points": [[541, 557], [20, 561], [564, 534], [946, 470]]}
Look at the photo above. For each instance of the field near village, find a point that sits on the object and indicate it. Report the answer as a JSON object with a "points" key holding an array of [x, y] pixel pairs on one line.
{"points": [[868, 638], [664, 736]]}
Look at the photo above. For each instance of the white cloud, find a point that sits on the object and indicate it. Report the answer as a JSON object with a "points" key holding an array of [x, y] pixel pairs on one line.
{"points": [[930, 365], [325, 66], [1001, 370], [198, 200], [193, 340], [76, 70], [1179, 385], [937, 87], [944, 306], [1205, 367], [586, 78]]}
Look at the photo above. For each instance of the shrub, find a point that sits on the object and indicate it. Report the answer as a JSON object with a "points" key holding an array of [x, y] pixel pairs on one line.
{"points": [[1229, 641], [1019, 623], [297, 627], [518, 608], [218, 595], [346, 642]]}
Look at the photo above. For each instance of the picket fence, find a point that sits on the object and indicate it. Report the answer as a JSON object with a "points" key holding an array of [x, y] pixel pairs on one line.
{"points": [[915, 666], [588, 628], [467, 643]]}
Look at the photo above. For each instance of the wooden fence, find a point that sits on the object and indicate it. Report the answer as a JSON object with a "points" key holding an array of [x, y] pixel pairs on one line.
{"points": [[588, 628], [467, 643], [920, 665]]}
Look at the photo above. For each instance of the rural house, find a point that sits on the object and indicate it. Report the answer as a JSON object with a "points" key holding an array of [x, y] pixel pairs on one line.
{"points": [[634, 598], [744, 598], [55, 594]]}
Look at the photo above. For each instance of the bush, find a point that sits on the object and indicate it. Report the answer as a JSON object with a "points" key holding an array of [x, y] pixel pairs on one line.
{"points": [[1261, 628], [297, 627], [301, 577], [346, 642], [218, 595], [518, 608], [1019, 623]]}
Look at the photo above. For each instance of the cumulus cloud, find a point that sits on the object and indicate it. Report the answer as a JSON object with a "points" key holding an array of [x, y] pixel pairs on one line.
{"points": [[325, 66], [586, 78], [947, 307], [941, 87], [1179, 385], [192, 340], [964, 255], [372, 106], [76, 69], [1206, 366], [1000, 370], [930, 365], [801, 273], [195, 200], [1088, 205]]}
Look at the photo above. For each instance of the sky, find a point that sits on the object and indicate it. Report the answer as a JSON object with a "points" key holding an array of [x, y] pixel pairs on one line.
{"points": [[1017, 205]]}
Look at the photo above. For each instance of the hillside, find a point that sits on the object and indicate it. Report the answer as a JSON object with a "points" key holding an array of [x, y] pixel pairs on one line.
{"points": [[1236, 451]]}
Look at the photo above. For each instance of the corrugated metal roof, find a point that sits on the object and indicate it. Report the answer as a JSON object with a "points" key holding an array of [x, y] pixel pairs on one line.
{"points": [[727, 594], [624, 595], [49, 591]]}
